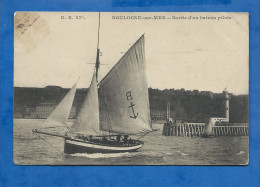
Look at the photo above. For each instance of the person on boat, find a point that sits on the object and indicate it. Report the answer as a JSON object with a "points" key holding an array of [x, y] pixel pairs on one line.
{"points": [[104, 139], [78, 136], [90, 137], [125, 139], [130, 141], [85, 138], [118, 137]]}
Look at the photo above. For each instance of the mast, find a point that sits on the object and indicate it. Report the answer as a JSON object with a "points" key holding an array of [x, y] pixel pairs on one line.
{"points": [[87, 120], [98, 51]]}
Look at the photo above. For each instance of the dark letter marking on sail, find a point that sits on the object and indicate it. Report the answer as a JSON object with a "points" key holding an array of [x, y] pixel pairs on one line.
{"points": [[129, 97]]}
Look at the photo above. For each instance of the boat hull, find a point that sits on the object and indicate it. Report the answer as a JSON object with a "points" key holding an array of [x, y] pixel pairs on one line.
{"points": [[77, 146]]}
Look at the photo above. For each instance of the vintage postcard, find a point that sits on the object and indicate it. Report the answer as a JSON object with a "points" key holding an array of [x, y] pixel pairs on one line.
{"points": [[131, 88]]}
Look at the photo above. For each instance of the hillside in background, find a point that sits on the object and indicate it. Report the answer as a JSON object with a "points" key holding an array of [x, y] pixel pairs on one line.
{"points": [[199, 106], [187, 105]]}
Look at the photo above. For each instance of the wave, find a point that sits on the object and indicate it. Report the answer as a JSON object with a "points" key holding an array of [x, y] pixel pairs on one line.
{"points": [[240, 153], [183, 154]]}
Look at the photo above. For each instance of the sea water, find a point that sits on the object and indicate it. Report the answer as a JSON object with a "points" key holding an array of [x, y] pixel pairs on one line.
{"points": [[32, 149]]}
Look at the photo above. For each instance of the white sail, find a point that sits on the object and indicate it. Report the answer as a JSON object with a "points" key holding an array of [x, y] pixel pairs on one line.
{"points": [[209, 127], [123, 94], [87, 121], [61, 113]]}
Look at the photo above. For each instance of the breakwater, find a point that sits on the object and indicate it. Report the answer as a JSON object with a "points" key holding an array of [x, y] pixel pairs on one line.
{"points": [[196, 129]]}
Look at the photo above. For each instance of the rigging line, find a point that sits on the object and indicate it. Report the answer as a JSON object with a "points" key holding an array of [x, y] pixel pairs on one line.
{"points": [[48, 143], [38, 121], [142, 135], [147, 132], [94, 130]]}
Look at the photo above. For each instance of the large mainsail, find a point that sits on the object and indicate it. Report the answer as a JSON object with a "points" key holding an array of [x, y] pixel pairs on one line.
{"points": [[87, 121], [123, 94], [61, 113]]}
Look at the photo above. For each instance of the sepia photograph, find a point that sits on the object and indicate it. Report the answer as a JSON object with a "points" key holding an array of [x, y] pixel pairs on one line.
{"points": [[131, 88]]}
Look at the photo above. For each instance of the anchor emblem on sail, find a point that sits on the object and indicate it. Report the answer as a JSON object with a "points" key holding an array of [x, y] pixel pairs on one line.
{"points": [[129, 98], [132, 106]]}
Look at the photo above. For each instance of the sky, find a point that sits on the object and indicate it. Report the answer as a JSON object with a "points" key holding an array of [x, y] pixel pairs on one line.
{"points": [[182, 51]]}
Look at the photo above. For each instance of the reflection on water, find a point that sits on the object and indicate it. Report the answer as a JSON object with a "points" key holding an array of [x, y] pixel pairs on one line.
{"points": [[157, 150]]}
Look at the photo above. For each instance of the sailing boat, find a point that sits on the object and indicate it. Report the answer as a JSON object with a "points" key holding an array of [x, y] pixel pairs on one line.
{"points": [[208, 131], [113, 109]]}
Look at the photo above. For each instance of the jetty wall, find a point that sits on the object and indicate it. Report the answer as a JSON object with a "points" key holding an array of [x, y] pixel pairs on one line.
{"points": [[196, 129]]}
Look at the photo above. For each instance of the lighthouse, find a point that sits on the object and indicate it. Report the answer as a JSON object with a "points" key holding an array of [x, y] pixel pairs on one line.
{"points": [[226, 104]]}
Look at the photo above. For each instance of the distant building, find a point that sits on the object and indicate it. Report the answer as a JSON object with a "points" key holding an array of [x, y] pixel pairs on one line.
{"points": [[196, 91], [158, 115], [189, 92], [28, 112], [43, 110]]}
